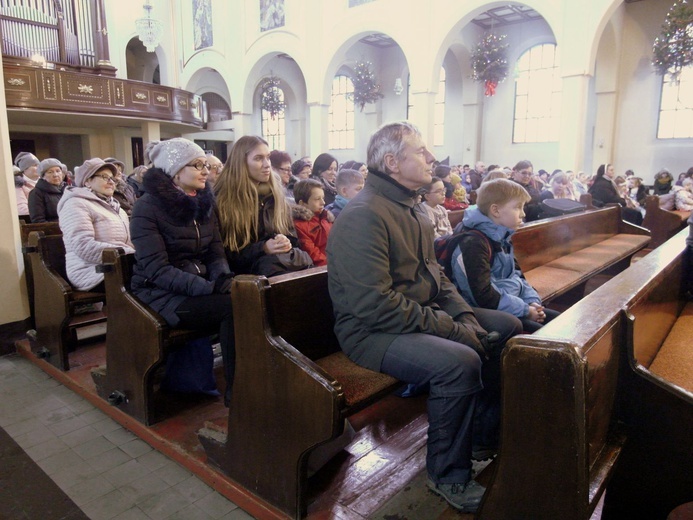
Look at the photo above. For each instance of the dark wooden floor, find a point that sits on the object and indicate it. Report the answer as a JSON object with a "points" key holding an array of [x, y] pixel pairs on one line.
{"points": [[380, 474]]}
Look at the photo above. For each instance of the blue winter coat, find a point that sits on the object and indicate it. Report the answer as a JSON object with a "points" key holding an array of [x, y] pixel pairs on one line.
{"points": [[486, 272]]}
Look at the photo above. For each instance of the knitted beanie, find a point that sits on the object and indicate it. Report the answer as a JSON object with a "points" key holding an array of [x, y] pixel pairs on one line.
{"points": [[115, 161], [89, 168], [172, 155], [26, 160], [49, 163]]}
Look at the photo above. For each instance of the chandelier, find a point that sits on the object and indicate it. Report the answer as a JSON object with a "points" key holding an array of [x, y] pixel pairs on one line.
{"points": [[149, 29]]}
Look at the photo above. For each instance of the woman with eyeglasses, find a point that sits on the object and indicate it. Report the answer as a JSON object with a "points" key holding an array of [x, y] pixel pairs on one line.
{"points": [[325, 169], [281, 166], [91, 220], [255, 218], [180, 268]]}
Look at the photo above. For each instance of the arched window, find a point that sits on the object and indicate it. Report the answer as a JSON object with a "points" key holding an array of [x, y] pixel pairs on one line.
{"points": [[538, 88], [676, 107], [439, 112], [340, 120], [274, 128]]}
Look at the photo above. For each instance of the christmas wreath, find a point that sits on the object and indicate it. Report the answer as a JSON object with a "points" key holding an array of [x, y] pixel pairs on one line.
{"points": [[490, 62], [366, 90], [673, 48], [272, 97]]}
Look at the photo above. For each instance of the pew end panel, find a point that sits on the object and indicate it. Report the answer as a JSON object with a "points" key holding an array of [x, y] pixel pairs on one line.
{"points": [[293, 386], [662, 224], [558, 398], [278, 394], [57, 303], [25, 227], [137, 340]]}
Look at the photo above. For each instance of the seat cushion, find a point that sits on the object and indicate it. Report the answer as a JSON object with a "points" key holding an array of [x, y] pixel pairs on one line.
{"points": [[600, 256], [550, 281], [359, 384], [674, 361]]}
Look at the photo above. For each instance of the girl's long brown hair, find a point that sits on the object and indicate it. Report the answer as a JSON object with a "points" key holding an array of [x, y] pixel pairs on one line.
{"points": [[237, 199]]}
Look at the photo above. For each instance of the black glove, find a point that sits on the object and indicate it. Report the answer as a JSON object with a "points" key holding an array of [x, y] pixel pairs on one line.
{"points": [[490, 343], [222, 285]]}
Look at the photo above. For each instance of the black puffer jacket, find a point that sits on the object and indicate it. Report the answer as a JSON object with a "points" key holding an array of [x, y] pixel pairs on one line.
{"points": [[178, 249], [603, 190], [43, 201]]}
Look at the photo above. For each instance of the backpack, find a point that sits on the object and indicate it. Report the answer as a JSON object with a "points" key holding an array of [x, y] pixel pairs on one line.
{"points": [[445, 246]]}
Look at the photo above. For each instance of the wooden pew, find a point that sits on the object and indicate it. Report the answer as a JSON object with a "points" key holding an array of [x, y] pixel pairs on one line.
{"points": [[48, 228], [582, 414], [663, 224], [56, 303], [137, 341], [293, 386], [561, 254]]}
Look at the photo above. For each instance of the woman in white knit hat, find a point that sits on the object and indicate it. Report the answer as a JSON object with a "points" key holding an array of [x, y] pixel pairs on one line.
{"points": [[91, 220], [44, 198], [181, 270]]}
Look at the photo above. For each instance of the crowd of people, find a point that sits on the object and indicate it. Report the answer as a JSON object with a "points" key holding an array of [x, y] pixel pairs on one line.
{"points": [[194, 222]]}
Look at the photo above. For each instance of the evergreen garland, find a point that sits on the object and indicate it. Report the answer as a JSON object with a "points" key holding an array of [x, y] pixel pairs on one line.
{"points": [[489, 61], [366, 90], [672, 50], [272, 97]]}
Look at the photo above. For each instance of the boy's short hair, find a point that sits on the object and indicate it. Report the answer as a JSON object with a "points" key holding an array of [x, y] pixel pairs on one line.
{"points": [[499, 192], [348, 177], [303, 189]]}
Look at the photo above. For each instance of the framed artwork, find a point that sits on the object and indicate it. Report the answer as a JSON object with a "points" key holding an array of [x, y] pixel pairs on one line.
{"points": [[271, 14], [202, 24]]}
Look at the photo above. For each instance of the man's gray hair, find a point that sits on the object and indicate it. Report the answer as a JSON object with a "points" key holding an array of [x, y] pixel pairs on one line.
{"points": [[389, 138]]}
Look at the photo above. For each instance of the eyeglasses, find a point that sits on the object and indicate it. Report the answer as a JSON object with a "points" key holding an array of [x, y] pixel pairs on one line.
{"points": [[106, 178], [214, 167], [285, 170], [200, 166]]}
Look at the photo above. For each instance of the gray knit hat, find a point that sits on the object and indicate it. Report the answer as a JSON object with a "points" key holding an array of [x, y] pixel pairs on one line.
{"points": [[25, 160], [46, 164], [116, 162], [172, 155], [89, 168]]}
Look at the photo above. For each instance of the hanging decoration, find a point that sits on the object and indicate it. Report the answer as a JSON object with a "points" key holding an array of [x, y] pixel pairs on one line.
{"points": [[490, 62], [672, 50], [365, 88], [149, 30], [272, 98]]}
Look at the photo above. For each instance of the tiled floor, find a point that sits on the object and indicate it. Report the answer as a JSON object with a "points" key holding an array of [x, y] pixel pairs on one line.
{"points": [[106, 470]]}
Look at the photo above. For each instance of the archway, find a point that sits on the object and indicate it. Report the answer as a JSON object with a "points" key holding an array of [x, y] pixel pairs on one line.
{"points": [[141, 65]]}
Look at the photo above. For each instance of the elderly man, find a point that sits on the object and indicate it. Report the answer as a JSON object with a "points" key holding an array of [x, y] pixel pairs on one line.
{"points": [[397, 313], [215, 167], [477, 174]]}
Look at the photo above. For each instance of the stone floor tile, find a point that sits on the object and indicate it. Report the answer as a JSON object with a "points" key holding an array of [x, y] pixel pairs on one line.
{"points": [[215, 505], [134, 513], [109, 460], [192, 512], [126, 473], [46, 449], [173, 473], [164, 504], [107, 506], [34, 437], [93, 447], [73, 474], [84, 492], [80, 436], [135, 448], [55, 463], [144, 488], [120, 436], [153, 460]]}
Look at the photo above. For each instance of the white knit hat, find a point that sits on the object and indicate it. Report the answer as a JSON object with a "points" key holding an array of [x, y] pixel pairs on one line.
{"points": [[172, 155]]}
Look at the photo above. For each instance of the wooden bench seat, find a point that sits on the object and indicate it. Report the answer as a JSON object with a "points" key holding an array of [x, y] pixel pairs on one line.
{"points": [[674, 361], [137, 342], [293, 386], [583, 413], [562, 253], [56, 303]]}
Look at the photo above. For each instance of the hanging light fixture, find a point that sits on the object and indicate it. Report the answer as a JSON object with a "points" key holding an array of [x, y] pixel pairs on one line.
{"points": [[149, 29]]}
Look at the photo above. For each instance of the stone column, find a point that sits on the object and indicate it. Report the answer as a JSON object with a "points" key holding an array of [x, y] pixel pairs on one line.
{"points": [[317, 129], [571, 150]]}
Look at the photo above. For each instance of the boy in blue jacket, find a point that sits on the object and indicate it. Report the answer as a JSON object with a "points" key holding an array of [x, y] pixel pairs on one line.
{"points": [[484, 267]]}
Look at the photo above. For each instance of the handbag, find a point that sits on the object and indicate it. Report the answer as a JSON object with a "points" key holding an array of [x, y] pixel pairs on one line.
{"points": [[272, 265]]}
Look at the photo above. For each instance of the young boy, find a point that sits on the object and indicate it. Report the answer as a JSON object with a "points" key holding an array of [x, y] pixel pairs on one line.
{"points": [[349, 183], [311, 220], [484, 267]]}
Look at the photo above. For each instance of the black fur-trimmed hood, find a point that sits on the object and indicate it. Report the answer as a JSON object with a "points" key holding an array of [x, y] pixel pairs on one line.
{"points": [[181, 207]]}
